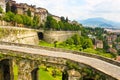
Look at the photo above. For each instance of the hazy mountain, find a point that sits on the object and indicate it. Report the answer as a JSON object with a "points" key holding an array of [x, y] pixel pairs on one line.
{"points": [[100, 22]]}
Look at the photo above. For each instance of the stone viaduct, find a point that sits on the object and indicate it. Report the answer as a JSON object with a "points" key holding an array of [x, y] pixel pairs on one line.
{"points": [[28, 58]]}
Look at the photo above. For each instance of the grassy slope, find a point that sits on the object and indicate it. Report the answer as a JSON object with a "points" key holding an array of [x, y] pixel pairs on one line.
{"points": [[108, 55], [45, 75]]}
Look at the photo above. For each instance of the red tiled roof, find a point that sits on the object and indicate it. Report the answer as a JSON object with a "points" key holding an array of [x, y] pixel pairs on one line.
{"points": [[118, 58]]}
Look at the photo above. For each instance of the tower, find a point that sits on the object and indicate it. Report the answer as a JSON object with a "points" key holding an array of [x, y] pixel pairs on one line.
{"points": [[3, 5]]}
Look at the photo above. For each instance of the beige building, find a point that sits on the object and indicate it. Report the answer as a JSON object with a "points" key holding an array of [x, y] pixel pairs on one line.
{"points": [[3, 5], [56, 18], [42, 13], [98, 44]]}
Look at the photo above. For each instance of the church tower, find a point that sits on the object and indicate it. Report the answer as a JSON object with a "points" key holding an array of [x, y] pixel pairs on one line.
{"points": [[3, 5]]}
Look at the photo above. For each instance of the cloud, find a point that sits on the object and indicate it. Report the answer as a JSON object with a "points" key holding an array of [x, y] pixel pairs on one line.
{"points": [[80, 9]]}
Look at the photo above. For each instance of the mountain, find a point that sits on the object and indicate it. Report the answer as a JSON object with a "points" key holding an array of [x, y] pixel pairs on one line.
{"points": [[100, 22]]}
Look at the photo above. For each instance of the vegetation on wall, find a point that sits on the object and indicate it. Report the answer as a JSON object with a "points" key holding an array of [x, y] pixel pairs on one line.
{"points": [[22, 19], [52, 24], [77, 42]]}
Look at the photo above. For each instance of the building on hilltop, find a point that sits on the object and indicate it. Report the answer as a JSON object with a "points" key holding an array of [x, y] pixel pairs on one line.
{"points": [[42, 14], [22, 8], [57, 18], [3, 5], [98, 44]]}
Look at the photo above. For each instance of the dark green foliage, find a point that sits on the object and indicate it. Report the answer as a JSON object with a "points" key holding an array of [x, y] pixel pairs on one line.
{"points": [[105, 45], [98, 32], [1, 10], [18, 19], [119, 52], [48, 22], [52, 24], [35, 22], [27, 20], [29, 12], [22, 19], [77, 42], [87, 43], [9, 16], [8, 8], [72, 65], [14, 9], [66, 19], [63, 19], [118, 39]]}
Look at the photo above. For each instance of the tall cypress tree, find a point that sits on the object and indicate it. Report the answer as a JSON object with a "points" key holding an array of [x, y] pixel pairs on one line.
{"points": [[1, 10], [8, 7], [29, 12]]}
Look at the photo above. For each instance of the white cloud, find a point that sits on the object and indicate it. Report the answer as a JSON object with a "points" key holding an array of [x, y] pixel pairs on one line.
{"points": [[80, 9]]}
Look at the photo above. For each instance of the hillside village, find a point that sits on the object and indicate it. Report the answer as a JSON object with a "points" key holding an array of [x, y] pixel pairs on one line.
{"points": [[22, 8]]}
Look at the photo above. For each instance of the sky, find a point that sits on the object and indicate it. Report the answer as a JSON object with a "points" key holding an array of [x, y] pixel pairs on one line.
{"points": [[80, 9]]}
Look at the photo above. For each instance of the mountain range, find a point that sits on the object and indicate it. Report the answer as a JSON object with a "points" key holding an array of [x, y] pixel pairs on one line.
{"points": [[100, 22]]}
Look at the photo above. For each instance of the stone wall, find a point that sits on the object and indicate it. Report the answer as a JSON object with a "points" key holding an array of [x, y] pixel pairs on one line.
{"points": [[18, 35], [52, 36]]}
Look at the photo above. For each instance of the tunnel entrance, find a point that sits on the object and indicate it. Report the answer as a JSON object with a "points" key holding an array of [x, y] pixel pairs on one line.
{"points": [[40, 35], [34, 74], [5, 69]]}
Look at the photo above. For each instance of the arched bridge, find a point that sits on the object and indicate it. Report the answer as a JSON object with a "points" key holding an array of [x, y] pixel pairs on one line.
{"points": [[56, 56]]}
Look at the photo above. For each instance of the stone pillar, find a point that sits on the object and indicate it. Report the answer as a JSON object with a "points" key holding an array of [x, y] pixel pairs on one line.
{"points": [[73, 75], [24, 72]]}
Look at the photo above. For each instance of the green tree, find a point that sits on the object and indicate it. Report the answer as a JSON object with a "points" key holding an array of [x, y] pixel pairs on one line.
{"points": [[63, 19], [29, 12], [35, 22], [87, 44], [77, 39], [18, 19], [9, 16], [1, 10], [8, 8], [66, 20], [61, 25], [70, 41], [27, 20], [48, 22], [14, 9], [54, 25]]}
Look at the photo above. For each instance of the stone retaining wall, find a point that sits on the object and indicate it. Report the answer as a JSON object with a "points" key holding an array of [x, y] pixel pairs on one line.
{"points": [[52, 36], [18, 35]]}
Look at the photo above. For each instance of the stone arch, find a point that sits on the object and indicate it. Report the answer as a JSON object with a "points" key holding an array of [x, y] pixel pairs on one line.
{"points": [[5, 73], [64, 75], [34, 74]]}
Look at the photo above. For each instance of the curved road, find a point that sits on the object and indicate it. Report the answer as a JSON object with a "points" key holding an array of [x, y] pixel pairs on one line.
{"points": [[100, 65]]}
